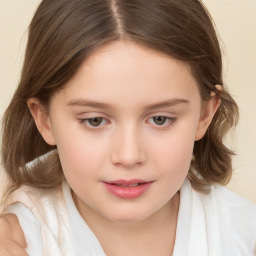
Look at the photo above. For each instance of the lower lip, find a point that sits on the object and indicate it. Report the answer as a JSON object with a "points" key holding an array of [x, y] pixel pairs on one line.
{"points": [[128, 192]]}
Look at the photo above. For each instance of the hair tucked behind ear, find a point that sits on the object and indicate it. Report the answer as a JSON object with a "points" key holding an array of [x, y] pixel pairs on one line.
{"points": [[64, 33]]}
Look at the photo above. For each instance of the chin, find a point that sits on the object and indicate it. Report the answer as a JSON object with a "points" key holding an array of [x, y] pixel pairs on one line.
{"points": [[128, 216]]}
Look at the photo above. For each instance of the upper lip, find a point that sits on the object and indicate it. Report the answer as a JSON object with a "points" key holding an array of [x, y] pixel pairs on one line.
{"points": [[127, 182]]}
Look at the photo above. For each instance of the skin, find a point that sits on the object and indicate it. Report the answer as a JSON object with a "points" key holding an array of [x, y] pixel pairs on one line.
{"points": [[127, 87], [12, 241]]}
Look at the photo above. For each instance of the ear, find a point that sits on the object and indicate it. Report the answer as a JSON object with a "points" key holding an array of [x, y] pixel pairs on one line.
{"points": [[42, 120], [209, 108]]}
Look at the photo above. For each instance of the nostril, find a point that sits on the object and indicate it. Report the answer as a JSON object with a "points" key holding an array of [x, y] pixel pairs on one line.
{"points": [[127, 161]]}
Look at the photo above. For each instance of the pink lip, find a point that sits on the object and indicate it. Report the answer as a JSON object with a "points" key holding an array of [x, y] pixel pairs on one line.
{"points": [[127, 189]]}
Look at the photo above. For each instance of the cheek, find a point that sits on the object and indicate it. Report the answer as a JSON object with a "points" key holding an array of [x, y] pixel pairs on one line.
{"points": [[173, 165], [177, 155], [80, 156], [79, 153], [175, 152]]}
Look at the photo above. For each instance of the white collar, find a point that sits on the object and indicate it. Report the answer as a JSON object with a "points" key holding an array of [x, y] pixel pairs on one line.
{"points": [[84, 240], [81, 231]]}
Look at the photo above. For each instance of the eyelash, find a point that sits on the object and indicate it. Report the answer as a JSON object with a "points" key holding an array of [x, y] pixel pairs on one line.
{"points": [[169, 121], [85, 122]]}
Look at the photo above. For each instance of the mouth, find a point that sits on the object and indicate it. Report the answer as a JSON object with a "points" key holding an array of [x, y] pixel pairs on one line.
{"points": [[127, 189], [129, 185]]}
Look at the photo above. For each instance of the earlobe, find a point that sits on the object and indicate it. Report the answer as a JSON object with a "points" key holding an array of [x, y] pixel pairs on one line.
{"points": [[207, 114], [42, 120]]}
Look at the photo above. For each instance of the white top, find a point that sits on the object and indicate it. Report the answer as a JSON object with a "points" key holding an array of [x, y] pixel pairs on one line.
{"points": [[214, 224]]}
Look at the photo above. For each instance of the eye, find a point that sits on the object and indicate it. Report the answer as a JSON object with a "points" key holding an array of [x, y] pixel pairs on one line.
{"points": [[159, 120], [93, 122], [163, 121]]}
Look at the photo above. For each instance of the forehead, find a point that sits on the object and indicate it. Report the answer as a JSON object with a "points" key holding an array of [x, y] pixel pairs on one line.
{"points": [[128, 71], [126, 54]]}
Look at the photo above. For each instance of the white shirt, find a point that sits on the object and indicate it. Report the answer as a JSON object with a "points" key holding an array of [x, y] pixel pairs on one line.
{"points": [[214, 224]]}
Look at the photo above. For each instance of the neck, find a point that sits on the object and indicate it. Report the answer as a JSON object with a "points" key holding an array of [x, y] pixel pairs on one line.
{"points": [[152, 236]]}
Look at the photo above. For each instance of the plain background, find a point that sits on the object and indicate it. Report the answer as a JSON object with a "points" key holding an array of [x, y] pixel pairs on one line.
{"points": [[236, 25]]}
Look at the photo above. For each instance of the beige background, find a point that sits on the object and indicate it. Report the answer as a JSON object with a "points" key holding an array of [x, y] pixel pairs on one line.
{"points": [[236, 24]]}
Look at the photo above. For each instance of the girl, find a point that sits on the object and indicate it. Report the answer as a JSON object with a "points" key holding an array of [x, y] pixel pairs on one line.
{"points": [[113, 141]]}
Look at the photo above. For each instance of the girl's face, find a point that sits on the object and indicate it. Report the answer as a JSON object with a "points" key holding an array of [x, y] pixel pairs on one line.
{"points": [[125, 127]]}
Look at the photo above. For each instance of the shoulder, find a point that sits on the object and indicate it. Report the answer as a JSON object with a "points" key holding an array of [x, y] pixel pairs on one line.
{"points": [[34, 203], [236, 208], [220, 222], [45, 212], [236, 217], [46, 204], [37, 199], [30, 226]]}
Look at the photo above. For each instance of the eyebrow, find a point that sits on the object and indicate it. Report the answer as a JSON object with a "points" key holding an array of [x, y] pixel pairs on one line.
{"points": [[87, 103], [168, 103], [95, 104]]}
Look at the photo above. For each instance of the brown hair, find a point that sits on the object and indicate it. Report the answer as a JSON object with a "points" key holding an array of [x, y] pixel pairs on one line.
{"points": [[64, 33]]}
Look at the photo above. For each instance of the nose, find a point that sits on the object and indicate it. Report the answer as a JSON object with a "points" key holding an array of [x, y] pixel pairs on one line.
{"points": [[127, 148]]}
